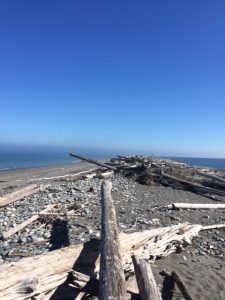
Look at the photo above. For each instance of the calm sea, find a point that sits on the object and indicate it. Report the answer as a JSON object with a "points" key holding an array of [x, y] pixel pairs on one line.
{"points": [[217, 163], [28, 160]]}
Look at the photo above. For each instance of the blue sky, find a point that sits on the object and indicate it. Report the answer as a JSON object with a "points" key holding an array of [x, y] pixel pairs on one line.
{"points": [[135, 75]]}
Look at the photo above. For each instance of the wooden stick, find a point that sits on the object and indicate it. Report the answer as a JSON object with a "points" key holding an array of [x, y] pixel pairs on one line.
{"points": [[196, 206], [95, 162], [21, 226], [112, 280], [145, 280], [17, 195], [196, 186], [216, 226], [70, 213]]}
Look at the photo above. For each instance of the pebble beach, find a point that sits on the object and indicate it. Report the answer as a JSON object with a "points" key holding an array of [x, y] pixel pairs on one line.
{"points": [[138, 207]]}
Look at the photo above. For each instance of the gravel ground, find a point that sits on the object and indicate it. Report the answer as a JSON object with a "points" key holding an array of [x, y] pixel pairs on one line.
{"points": [[138, 207]]}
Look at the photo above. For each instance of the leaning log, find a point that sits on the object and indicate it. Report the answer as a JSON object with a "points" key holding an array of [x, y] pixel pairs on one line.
{"points": [[95, 162], [20, 194], [213, 177], [197, 206], [112, 283], [195, 186], [148, 289], [21, 226]]}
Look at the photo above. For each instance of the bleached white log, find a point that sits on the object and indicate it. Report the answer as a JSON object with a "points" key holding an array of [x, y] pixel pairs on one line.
{"points": [[21, 226], [22, 193], [197, 206]]}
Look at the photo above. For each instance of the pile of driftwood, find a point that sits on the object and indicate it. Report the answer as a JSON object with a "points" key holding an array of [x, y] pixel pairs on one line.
{"points": [[150, 171], [157, 171]]}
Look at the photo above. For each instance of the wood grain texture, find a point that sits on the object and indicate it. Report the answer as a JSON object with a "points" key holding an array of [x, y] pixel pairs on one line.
{"points": [[112, 283]]}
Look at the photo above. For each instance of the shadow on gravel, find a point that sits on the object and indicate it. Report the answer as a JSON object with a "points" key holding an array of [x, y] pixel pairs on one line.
{"points": [[168, 288], [59, 234]]}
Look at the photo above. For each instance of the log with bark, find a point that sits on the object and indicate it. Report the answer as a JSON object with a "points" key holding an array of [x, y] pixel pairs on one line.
{"points": [[22, 193]]}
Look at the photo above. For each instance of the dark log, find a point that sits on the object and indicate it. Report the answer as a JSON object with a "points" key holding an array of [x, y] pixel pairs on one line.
{"points": [[112, 283], [145, 280], [211, 176], [95, 162], [195, 186]]}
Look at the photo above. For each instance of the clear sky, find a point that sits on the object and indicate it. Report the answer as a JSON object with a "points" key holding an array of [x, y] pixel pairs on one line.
{"points": [[122, 74]]}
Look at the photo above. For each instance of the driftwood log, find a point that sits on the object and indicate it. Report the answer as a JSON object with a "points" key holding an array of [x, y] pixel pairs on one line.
{"points": [[52, 268], [95, 162], [21, 226], [197, 206], [195, 186], [22, 193], [216, 178], [148, 289], [112, 283]]}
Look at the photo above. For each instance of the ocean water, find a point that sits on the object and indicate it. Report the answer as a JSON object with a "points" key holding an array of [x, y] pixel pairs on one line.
{"points": [[216, 163], [21, 159]]}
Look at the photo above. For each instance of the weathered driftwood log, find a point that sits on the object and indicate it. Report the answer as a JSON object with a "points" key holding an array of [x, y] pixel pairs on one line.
{"points": [[195, 186], [65, 176], [197, 206], [52, 268], [20, 194], [95, 162], [21, 226], [112, 280], [216, 226], [211, 176], [145, 280], [85, 282]]}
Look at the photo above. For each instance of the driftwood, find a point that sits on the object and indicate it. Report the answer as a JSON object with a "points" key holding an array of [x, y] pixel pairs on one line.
{"points": [[65, 176], [145, 280], [21, 226], [112, 280], [196, 206], [52, 268], [216, 226], [20, 194], [95, 162], [196, 186], [211, 176]]}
